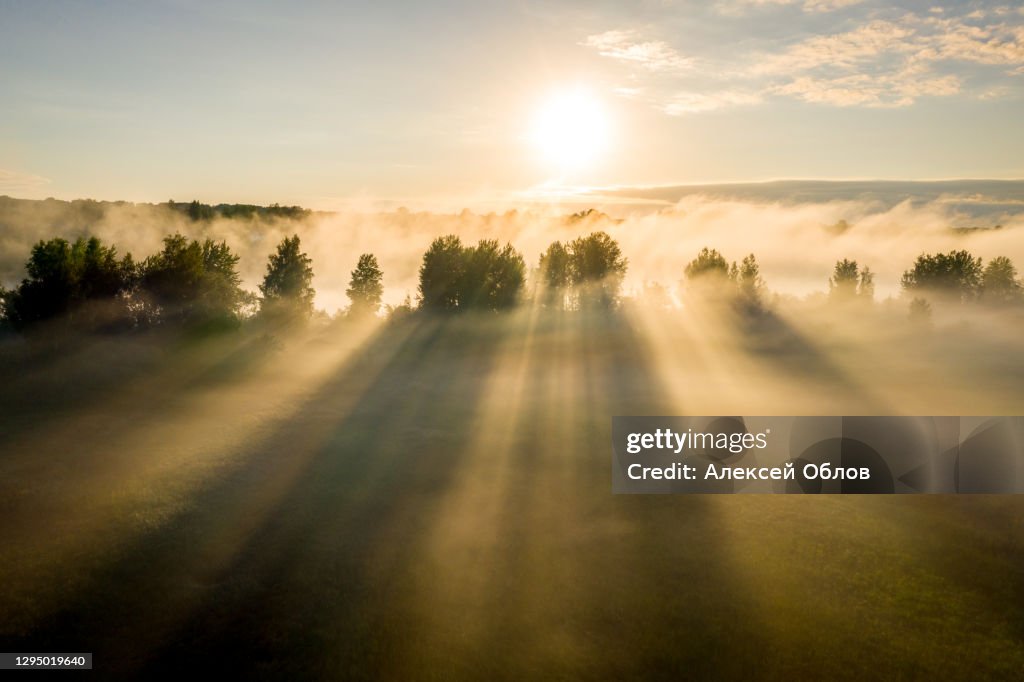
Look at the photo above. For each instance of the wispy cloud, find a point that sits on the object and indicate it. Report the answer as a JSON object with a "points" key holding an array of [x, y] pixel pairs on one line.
{"points": [[882, 62], [847, 50], [955, 39], [898, 89], [653, 55]]}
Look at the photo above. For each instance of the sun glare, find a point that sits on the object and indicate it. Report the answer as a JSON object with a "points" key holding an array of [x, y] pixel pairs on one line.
{"points": [[570, 130]]}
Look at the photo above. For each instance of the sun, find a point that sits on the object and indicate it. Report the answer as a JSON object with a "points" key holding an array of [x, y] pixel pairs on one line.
{"points": [[570, 130]]}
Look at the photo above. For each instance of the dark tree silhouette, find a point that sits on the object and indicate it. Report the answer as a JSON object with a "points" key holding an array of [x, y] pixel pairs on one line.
{"points": [[596, 268], [485, 276], [192, 283], [842, 285], [739, 285], [866, 289], [366, 286], [84, 282], [749, 284], [710, 264], [395, 313], [287, 287], [999, 282], [441, 274], [555, 275], [849, 282], [198, 211], [493, 276], [956, 274]]}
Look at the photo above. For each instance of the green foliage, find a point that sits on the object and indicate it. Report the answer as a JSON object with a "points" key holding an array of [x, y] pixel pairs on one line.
{"points": [[197, 211], [84, 282], [956, 274], [739, 284], [845, 277], [749, 284], [192, 283], [555, 276], [596, 269], [287, 287], [441, 274], [366, 286], [554, 266], [396, 313], [456, 277], [708, 263], [849, 282], [493, 276], [999, 282], [271, 211], [866, 289]]}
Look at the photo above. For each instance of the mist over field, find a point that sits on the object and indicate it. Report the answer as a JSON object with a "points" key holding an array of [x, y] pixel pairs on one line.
{"points": [[797, 230], [428, 489], [346, 412]]}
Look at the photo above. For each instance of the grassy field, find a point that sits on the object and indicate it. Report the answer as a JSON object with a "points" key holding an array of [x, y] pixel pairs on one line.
{"points": [[431, 499]]}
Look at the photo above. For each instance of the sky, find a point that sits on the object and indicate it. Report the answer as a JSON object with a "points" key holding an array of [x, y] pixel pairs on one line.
{"points": [[333, 104]]}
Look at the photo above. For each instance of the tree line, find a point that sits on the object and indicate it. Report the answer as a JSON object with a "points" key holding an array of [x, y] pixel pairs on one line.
{"points": [[85, 284], [956, 276], [195, 284]]}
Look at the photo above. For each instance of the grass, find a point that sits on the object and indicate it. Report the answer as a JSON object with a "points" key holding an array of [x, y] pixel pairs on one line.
{"points": [[432, 500]]}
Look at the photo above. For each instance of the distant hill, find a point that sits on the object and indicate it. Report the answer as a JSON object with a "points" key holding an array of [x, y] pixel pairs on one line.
{"points": [[85, 212], [979, 198]]}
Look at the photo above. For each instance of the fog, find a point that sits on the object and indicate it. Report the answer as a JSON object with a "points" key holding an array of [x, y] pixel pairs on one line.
{"points": [[796, 243], [393, 496]]}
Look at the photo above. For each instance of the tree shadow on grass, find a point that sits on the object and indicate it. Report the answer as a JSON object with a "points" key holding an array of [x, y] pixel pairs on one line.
{"points": [[269, 563], [590, 585], [338, 546]]}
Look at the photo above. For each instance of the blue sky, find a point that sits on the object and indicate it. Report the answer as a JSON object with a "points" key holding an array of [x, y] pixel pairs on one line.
{"points": [[327, 103]]}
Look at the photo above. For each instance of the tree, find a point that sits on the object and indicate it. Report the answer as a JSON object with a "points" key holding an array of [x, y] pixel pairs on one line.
{"points": [[555, 275], [287, 287], [198, 211], [920, 312], [999, 282], [596, 269], [845, 278], [84, 282], [192, 283], [492, 276], [454, 277], [956, 274], [739, 285], [709, 276], [849, 282], [710, 264], [866, 289], [441, 274], [749, 285], [395, 313], [366, 288]]}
